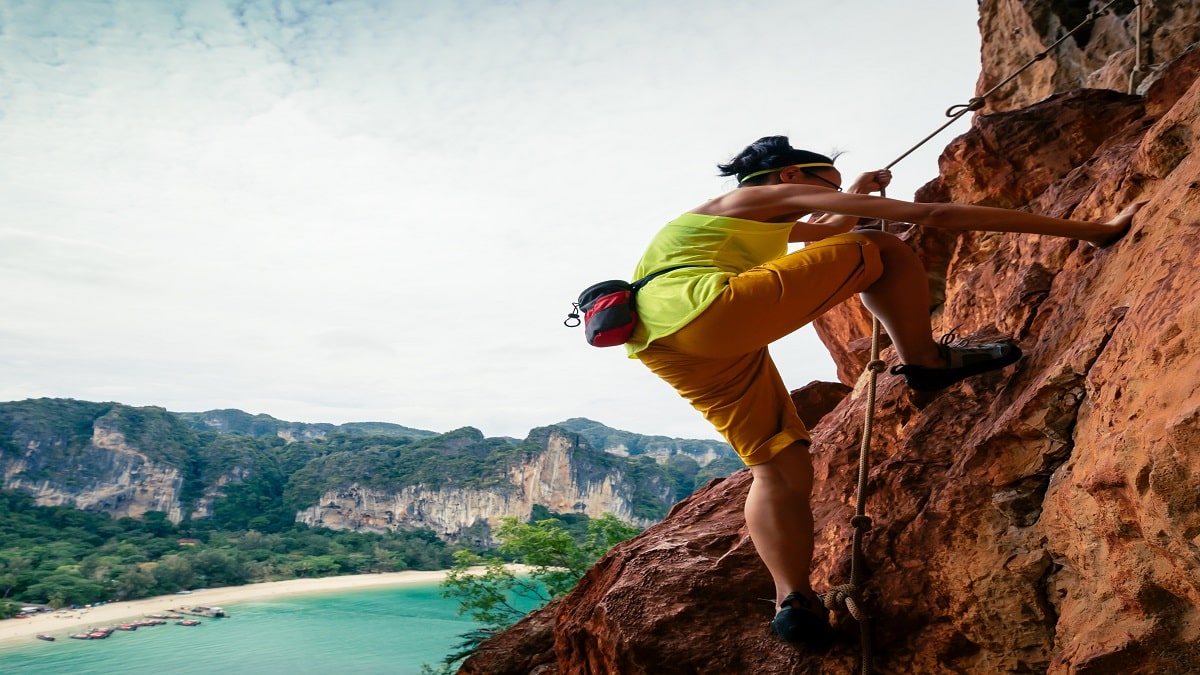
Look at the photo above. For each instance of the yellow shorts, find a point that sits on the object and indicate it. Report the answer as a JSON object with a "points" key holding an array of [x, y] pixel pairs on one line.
{"points": [[719, 362]]}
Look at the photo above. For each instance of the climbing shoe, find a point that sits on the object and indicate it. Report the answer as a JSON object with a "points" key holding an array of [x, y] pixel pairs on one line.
{"points": [[964, 362], [804, 622]]}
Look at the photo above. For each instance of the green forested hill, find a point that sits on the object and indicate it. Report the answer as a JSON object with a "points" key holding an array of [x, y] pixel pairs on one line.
{"points": [[259, 471], [241, 480]]}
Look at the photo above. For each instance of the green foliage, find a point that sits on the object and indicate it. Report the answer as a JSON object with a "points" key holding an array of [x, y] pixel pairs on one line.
{"points": [[9, 609], [604, 533], [384, 429], [62, 589], [575, 523], [133, 582], [60, 428], [59, 555], [158, 434], [556, 559], [260, 501], [244, 424], [682, 471], [461, 458], [488, 590], [493, 594], [64, 423], [653, 492]]}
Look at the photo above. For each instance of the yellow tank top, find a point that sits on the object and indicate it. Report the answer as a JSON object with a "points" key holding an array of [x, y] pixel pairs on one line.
{"points": [[715, 248]]}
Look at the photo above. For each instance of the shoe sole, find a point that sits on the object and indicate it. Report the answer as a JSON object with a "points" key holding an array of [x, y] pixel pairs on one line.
{"points": [[803, 628], [936, 379]]}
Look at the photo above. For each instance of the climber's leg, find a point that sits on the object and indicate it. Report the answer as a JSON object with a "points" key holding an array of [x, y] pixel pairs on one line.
{"points": [[900, 299], [746, 400], [780, 521]]}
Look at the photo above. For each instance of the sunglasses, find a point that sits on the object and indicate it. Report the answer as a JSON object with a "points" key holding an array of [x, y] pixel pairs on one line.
{"points": [[813, 174]]}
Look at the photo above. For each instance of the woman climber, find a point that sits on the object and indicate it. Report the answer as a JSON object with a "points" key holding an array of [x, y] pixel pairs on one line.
{"points": [[704, 328]]}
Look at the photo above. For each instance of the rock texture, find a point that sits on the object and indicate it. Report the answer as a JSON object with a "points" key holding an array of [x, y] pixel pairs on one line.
{"points": [[1103, 54], [553, 478], [1045, 519], [109, 475]]}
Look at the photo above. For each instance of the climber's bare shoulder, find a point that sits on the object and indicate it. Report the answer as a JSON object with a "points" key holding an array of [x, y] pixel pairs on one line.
{"points": [[778, 203]]}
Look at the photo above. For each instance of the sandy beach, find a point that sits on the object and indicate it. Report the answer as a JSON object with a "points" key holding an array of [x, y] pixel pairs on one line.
{"points": [[60, 625]]}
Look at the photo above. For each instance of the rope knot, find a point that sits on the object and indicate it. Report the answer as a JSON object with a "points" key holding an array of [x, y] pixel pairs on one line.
{"points": [[845, 595], [877, 366], [959, 109], [861, 522], [836, 596]]}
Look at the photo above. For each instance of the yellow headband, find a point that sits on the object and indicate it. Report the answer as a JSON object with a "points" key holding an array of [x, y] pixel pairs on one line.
{"points": [[799, 166]]}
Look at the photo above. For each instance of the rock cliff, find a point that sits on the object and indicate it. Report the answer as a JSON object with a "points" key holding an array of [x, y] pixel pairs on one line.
{"points": [[1103, 54], [251, 471], [84, 458], [124, 483], [557, 478], [1042, 519]]}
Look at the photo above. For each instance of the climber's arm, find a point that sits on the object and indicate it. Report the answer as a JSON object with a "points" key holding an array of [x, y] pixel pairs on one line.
{"points": [[958, 217], [822, 225]]}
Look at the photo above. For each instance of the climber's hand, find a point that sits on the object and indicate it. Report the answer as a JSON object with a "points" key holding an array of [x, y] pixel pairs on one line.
{"points": [[1119, 225], [1126, 215], [871, 181]]}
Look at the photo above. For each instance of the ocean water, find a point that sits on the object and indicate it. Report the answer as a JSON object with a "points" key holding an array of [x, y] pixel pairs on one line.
{"points": [[371, 631]]}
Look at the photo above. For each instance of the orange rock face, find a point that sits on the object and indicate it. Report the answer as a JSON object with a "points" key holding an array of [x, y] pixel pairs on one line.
{"points": [[1041, 519], [1101, 54]]}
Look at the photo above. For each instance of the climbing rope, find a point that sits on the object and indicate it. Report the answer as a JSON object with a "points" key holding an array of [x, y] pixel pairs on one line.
{"points": [[1134, 75], [850, 594], [958, 110]]}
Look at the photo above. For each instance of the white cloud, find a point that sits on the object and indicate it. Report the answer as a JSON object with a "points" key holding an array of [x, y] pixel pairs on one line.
{"points": [[382, 210]]}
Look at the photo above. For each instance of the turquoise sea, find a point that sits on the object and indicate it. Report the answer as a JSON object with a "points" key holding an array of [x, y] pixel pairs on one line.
{"points": [[364, 631]]}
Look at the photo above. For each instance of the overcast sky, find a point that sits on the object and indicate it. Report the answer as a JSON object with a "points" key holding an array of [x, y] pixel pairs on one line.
{"points": [[381, 210]]}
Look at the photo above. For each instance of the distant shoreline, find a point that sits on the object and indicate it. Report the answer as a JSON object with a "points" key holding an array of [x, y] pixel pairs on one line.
{"points": [[22, 631]]}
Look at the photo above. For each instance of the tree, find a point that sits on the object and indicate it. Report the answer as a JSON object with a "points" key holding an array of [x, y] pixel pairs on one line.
{"points": [[134, 583], [218, 568], [61, 589], [156, 524], [8, 609], [174, 573], [556, 560], [606, 532], [493, 594], [12, 567]]}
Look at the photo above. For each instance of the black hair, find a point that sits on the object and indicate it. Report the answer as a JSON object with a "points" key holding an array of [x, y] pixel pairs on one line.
{"points": [[768, 152]]}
